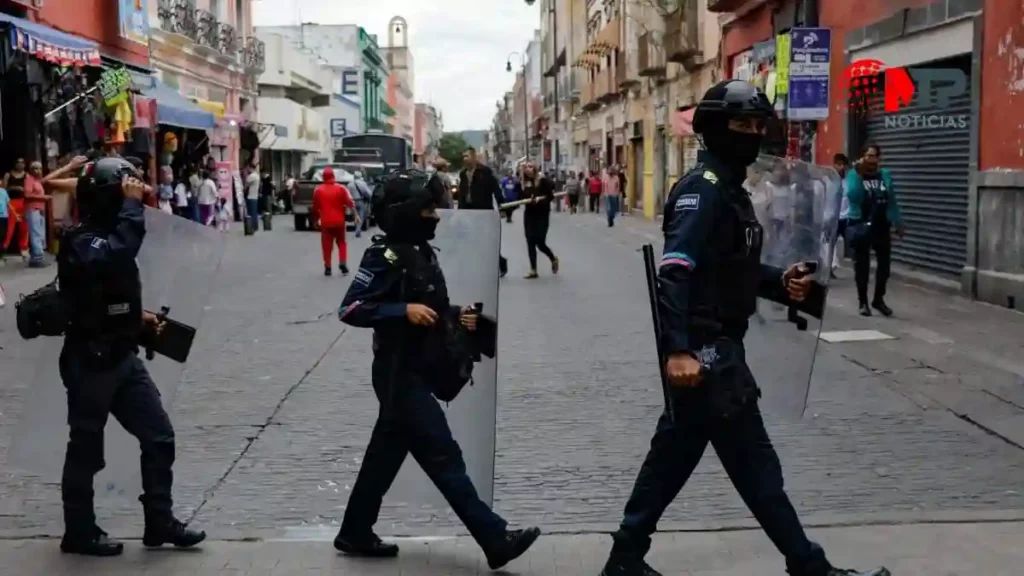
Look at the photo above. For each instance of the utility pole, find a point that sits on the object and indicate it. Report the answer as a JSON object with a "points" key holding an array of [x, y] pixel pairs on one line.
{"points": [[558, 68]]}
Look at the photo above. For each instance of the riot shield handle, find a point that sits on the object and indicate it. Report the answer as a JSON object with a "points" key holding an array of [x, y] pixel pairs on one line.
{"points": [[651, 273], [793, 314], [160, 317]]}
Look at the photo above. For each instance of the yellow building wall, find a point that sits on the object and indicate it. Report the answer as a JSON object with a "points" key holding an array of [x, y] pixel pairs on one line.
{"points": [[649, 209]]}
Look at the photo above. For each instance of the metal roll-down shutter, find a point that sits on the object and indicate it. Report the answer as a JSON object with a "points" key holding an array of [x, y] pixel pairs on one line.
{"points": [[927, 150]]}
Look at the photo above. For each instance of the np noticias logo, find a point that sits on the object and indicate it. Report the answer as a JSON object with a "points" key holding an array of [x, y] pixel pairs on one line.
{"points": [[872, 87]]}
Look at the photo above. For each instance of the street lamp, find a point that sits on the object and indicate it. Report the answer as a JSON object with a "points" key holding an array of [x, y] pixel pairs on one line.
{"points": [[526, 100]]}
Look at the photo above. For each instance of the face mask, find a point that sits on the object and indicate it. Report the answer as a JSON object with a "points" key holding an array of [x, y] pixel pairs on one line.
{"points": [[421, 229], [734, 148]]}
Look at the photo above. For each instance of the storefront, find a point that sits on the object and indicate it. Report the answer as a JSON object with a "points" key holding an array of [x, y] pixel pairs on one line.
{"points": [[297, 137]]}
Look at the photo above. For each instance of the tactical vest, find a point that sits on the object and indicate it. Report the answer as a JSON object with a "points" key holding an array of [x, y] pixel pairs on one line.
{"points": [[724, 286], [104, 304]]}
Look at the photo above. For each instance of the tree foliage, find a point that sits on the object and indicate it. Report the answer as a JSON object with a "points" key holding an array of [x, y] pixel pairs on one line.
{"points": [[451, 147]]}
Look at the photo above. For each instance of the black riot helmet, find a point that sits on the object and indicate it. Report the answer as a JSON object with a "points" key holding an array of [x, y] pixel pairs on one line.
{"points": [[99, 194], [732, 100], [398, 203]]}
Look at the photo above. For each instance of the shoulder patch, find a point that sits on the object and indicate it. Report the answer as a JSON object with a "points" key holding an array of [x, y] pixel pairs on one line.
{"points": [[363, 277], [711, 176], [389, 256], [688, 202], [97, 243]]}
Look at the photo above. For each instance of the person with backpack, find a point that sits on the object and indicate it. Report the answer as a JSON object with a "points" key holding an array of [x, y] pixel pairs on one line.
{"points": [[418, 359]]}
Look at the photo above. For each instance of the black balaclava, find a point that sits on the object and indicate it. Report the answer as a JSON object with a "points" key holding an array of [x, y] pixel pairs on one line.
{"points": [[736, 149], [405, 223]]}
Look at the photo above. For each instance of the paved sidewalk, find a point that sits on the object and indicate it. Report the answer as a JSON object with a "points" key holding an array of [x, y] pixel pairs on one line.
{"points": [[927, 550]]}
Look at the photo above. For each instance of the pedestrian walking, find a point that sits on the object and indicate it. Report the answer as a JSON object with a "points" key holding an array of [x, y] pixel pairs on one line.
{"points": [[208, 196], [99, 364], [252, 196], [842, 165], [289, 193], [709, 279], [623, 204], [611, 190], [874, 216], [5, 218], [479, 189], [165, 190], [223, 215], [511, 191], [540, 191], [363, 195], [405, 312], [331, 201], [17, 227], [572, 190], [35, 214], [594, 187]]}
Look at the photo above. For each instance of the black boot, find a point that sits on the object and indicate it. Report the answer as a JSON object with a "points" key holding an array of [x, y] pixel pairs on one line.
{"points": [[170, 531], [370, 546], [94, 542], [344, 269], [512, 545], [865, 310], [624, 560], [327, 270], [879, 304]]}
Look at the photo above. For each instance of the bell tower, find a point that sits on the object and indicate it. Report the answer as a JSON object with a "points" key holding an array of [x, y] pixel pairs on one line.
{"points": [[398, 30]]}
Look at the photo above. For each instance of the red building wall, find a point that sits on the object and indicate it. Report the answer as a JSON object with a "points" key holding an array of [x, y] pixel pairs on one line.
{"points": [[1001, 144], [97, 20], [840, 17]]}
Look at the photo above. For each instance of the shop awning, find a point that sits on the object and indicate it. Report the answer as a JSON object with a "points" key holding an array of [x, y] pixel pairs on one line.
{"points": [[50, 44], [218, 109], [173, 109]]}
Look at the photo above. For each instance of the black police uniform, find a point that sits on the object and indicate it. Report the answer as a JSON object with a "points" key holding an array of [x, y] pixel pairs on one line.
{"points": [[99, 365], [711, 277], [397, 270]]}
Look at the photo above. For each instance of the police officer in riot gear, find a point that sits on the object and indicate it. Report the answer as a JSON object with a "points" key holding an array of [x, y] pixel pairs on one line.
{"points": [[400, 292], [102, 293], [710, 278]]}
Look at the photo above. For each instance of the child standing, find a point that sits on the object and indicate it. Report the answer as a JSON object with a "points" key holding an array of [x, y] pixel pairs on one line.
{"points": [[223, 216]]}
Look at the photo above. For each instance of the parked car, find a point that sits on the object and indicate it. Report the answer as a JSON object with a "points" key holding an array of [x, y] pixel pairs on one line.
{"points": [[302, 202]]}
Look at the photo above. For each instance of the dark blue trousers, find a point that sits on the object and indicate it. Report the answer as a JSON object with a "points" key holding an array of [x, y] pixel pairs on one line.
{"points": [[126, 391], [746, 452], [412, 421]]}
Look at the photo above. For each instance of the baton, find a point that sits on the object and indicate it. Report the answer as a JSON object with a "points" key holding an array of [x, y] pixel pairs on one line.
{"points": [[516, 203], [652, 295]]}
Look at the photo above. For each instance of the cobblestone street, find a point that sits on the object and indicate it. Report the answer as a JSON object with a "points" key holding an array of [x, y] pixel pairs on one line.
{"points": [[276, 408]]}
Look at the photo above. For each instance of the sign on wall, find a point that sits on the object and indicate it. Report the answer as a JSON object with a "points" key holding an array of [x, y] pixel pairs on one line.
{"points": [[350, 82], [339, 127], [810, 60], [134, 18]]}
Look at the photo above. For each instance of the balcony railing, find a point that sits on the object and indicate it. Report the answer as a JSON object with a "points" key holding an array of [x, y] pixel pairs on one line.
{"points": [[202, 27], [681, 34], [649, 57], [607, 88], [588, 96]]}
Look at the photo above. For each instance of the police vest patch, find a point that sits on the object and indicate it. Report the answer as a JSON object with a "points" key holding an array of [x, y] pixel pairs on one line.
{"points": [[688, 202], [118, 309], [711, 176], [98, 243], [363, 277]]}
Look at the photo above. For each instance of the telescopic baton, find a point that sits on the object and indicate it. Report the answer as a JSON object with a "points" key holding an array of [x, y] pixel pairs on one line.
{"points": [[516, 203], [652, 295]]}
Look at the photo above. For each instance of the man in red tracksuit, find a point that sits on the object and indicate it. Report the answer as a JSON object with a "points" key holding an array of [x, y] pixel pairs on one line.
{"points": [[330, 200]]}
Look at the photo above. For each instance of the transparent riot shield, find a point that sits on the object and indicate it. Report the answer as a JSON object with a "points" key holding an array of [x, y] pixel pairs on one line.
{"points": [[798, 205], [468, 243], [178, 264]]}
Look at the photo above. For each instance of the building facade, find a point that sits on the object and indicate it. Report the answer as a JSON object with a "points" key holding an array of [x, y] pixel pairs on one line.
{"points": [[353, 55], [295, 95], [429, 128], [401, 79], [205, 50]]}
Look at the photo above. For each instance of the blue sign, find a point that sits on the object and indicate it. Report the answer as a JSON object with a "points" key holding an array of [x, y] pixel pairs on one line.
{"points": [[350, 83], [339, 127], [809, 69], [133, 17]]}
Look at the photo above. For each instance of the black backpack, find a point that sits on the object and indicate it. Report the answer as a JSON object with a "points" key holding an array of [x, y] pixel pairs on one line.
{"points": [[42, 313]]}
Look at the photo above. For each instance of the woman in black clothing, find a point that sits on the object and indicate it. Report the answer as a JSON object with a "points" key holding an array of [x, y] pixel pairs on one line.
{"points": [[536, 217]]}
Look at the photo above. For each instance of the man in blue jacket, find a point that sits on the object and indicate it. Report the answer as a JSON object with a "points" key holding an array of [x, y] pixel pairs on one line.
{"points": [[874, 216]]}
